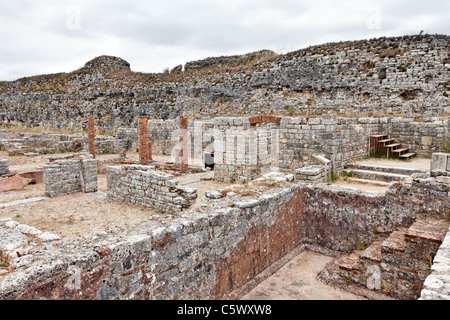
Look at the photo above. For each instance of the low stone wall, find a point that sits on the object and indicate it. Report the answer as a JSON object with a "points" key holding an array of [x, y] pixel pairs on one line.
{"points": [[70, 176], [4, 167], [45, 143], [208, 252], [436, 285], [440, 162], [142, 185], [433, 192], [311, 174]]}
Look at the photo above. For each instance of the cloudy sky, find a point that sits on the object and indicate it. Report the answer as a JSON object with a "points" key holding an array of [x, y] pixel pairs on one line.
{"points": [[49, 36]]}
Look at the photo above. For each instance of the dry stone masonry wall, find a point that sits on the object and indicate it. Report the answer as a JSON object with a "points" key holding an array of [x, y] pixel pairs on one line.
{"points": [[70, 176], [18, 143], [208, 252], [385, 76], [4, 167], [142, 185], [437, 284]]}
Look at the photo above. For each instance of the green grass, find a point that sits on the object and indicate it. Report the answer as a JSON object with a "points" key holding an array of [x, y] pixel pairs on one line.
{"points": [[446, 145], [334, 175], [4, 261], [360, 245], [378, 155]]}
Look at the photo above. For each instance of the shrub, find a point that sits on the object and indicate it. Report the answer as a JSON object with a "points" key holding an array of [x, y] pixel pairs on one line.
{"points": [[446, 144], [334, 175]]}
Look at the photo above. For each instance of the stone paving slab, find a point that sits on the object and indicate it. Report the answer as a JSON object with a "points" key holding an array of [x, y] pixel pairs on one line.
{"points": [[15, 203]]}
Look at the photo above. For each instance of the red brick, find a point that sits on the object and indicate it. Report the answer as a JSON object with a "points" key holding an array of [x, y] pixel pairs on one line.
{"points": [[91, 135], [143, 140]]}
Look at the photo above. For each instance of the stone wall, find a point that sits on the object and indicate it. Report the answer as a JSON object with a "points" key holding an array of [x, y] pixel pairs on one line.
{"points": [[142, 185], [386, 76], [340, 140], [244, 149], [311, 174], [397, 262], [208, 252], [398, 265], [70, 176], [46, 143], [164, 136], [436, 285], [4, 167], [440, 161], [421, 137], [299, 138]]}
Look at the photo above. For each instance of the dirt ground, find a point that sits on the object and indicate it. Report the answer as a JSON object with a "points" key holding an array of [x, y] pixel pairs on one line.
{"points": [[77, 215], [296, 280], [83, 214]]}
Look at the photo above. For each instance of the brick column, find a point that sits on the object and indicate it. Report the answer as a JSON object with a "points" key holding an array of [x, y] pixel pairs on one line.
{"points": [[183, 144], [143, 139], [91, 135]]}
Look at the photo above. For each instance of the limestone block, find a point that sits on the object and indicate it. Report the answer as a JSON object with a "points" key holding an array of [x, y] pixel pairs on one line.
{"points": [[439, 161]]}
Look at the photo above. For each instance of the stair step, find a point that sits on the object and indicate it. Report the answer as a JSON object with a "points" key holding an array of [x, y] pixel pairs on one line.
{"points": [[375, 175], [428, 229], [377, 183], [395, 241], [373, 252], [378, 135], [370, 167], [385, 140], [351, 262], [393, 145], [407, 155], [400, 150]]}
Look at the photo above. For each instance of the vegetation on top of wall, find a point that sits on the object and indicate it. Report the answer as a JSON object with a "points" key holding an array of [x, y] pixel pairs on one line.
{"points": [[57, 82], [118, 70]]}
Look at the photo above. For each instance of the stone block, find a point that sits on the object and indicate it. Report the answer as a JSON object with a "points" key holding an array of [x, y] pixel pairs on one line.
{"points": [[439, 161]]}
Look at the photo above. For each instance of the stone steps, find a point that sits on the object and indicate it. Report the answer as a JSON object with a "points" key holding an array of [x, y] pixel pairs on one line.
{"points": [[376, 183], [398, 170], [374, 175], [399, 264]]}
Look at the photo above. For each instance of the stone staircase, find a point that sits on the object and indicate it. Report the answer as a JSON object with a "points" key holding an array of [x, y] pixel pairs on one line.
{"points": [[381, 143], [377, 175], [397, 265]]}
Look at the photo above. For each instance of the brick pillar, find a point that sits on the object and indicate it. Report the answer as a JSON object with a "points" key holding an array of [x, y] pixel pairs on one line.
{"points": [[91, 135], [183, 144], [143, 139]]}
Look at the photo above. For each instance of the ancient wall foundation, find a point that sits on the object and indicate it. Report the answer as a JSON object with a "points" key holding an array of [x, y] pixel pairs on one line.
{"points": [[386, 76], [290, 142], [436, 284], [142, 185], [18, 143], [210, 251], [70, 176], [4, 167]]}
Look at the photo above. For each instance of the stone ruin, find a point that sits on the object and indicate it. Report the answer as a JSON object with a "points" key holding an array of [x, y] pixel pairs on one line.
{"points": [[277, 164], [385, 244]]}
